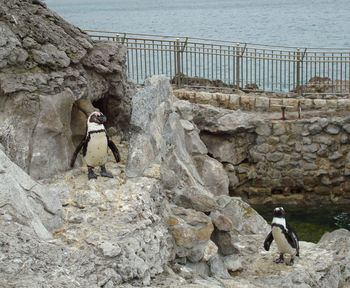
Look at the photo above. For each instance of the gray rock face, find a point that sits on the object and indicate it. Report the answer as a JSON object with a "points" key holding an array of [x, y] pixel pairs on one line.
{"points": [[46, 66], [213, 174], [24, 201]]}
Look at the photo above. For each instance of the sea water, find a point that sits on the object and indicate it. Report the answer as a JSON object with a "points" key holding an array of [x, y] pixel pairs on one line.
{"points": [[297, 23]]}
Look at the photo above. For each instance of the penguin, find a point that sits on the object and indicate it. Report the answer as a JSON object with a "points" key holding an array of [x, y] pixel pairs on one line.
{"points": [[95, 145], [286, 239]]}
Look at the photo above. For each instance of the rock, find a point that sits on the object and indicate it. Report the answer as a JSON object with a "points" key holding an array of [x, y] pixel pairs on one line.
{"points": [[213, 174], [225, 242], [233, 263], [233, 149], [27, 202], [148, 122], [221, 222], [50, 56], [218, 268], [232, 176], [244, 218], [199, 200], [46, 65], [189, 227], [194, 144], [210, 251]]}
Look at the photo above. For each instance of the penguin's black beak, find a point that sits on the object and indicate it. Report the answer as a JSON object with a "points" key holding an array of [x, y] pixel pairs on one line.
{"points": [[102, 119]]}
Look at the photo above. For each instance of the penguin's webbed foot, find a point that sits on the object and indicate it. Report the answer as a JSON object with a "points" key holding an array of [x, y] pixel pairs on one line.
{"points": [[104, 172], [91, 173], [280, 259]]}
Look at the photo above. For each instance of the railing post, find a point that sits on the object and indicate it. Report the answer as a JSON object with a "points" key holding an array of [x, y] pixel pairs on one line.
{"points": [[238, 55], [178, 63], [298, 72], [117, 38]]}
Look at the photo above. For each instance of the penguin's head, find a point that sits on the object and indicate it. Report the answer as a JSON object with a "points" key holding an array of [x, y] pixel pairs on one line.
{"points": [[279, 212], [97, 117]]}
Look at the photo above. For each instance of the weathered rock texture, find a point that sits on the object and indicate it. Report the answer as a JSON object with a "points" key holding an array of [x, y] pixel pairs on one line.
{"points": [[46, 66], [164, 146], [270, 160], [163, 226]]}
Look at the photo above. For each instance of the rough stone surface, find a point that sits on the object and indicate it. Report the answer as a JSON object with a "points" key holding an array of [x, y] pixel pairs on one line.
{"points": [[213, 174], [274, 161], [46, 66], [24, 201]]}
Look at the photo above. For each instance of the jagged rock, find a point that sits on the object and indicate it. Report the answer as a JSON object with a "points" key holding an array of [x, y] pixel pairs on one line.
{"points": [[221, 222], [194, 144], [233, 263], [232, 150], [188, 227], [196, 199], [47, 65], [26, 202], [225, 242], [213, 174], [232, 175], [218, 268], [244, 218]]}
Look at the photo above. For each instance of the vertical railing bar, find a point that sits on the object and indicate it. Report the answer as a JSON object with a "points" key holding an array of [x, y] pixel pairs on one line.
{"points": [[255, 65], [332, 72], [280, 64], [237, 65], [137, 60]]}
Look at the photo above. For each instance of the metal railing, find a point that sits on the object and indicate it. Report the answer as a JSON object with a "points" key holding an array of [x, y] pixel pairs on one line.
{"points": [[204, 62]]}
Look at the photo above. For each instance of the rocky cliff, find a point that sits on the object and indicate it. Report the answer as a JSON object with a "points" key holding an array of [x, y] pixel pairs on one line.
{"points": [[51, 73]]}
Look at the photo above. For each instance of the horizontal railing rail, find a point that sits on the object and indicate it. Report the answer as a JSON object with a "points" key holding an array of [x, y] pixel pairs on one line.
{"points": [[205, 62]]}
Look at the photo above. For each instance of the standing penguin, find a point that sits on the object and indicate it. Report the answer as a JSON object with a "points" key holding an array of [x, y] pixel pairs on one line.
{"points": [[286, 239], [95, 145]]}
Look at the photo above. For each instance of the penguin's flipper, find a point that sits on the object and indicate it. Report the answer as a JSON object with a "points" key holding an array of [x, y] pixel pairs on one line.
{"points": [[77, 150], [114, 150], [293, 239], [268, 241]]}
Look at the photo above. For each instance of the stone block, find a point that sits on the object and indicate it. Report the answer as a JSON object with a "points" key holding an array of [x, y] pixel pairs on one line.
{"points": [[306, 104], [320, 104], [332, 103], [262, 103], [276, 104], [247, 103], [234, 102], [343, 104]]}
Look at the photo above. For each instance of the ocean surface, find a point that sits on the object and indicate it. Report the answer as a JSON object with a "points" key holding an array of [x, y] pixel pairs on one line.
{"points": [[297, 23]]}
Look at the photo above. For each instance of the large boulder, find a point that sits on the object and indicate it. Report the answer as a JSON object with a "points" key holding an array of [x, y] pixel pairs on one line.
{"points": [[47, 66]]}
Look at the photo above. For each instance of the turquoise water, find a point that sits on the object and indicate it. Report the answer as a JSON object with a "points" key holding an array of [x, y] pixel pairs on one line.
{"points": [[321, 23], [311, 222]]}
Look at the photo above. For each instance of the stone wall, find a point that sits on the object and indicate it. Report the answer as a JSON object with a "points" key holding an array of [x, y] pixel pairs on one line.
{"points": [[292, 161], [298, 161], [263, 102]]}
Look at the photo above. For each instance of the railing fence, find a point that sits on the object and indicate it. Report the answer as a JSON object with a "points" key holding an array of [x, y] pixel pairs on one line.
{"points": [[203, 62]]}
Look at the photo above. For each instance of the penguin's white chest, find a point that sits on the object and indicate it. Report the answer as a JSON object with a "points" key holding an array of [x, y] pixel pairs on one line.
{"points": [[96, 152], [281, 241]]}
